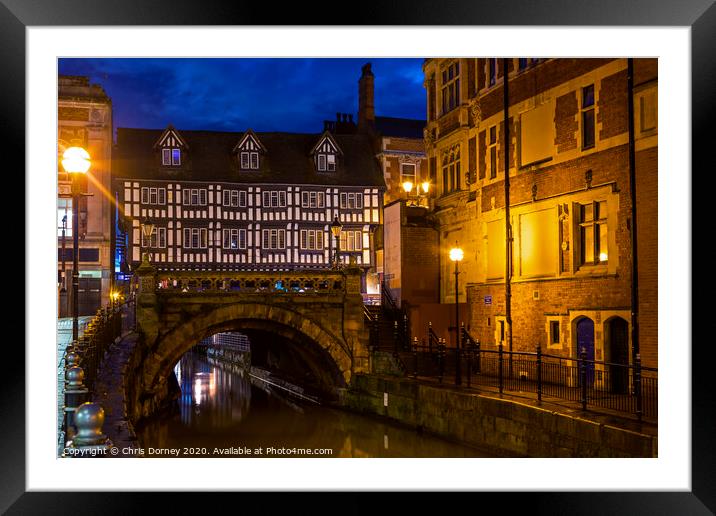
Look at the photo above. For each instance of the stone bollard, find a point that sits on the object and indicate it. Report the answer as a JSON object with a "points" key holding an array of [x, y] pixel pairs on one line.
{"points": [[75, 394], [89, 440]]}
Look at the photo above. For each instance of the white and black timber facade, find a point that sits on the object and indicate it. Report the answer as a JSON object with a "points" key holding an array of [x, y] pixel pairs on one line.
{"points": [[247, 201]]}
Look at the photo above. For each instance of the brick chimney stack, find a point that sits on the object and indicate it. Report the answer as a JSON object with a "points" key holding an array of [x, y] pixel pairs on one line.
{"points": [[366, 107]]}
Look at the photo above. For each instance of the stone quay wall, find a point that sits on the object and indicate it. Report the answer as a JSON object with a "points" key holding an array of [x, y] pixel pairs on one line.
{"points": [[502, 425]]}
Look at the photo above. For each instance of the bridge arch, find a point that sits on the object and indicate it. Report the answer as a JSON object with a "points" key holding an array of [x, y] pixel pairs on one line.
{"points": [[336, 368]]}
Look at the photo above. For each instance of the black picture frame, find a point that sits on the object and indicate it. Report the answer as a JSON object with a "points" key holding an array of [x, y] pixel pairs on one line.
{"points": [[699, 15]]}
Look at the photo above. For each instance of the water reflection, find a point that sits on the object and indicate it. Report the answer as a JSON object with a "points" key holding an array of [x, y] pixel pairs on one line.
{"points": [[222, 407], [213, 396]]}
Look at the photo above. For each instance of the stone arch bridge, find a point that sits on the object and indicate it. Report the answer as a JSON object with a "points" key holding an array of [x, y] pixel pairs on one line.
{"points": [[319, 311]]}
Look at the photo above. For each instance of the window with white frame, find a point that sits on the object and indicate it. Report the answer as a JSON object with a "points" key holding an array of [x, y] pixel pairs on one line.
{"points": [[249, 160], [274, 199], [593, 233], [171, 157], [326, 162], [407, 172], [195, 238], [352, 200], [351, 240], [242, 198], [231, 198], [158, 240], [194, 197], [313, 199], [312, 239], [273, 238], [234, 239], [154, 196]]}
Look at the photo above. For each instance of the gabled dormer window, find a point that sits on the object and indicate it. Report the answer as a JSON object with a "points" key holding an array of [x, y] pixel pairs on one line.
{"points": [[171, 157], [249, 151], [326, 162], [171, 146], [249, 160], [326, 154]]}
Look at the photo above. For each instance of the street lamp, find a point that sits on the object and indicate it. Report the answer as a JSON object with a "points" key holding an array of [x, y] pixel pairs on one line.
{"points": [[336, 227], [75, 161], [456, 256], [147, 230]]}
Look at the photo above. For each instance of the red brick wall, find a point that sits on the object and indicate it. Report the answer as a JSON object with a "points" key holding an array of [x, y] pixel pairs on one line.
{"points": [[482, 150], [612, 105], [559, 296], [647, 253], [565, 119], [543, 77]]}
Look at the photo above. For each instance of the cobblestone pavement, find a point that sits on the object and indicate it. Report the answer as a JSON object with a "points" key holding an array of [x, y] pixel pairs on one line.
{"points": [[110, 392]]}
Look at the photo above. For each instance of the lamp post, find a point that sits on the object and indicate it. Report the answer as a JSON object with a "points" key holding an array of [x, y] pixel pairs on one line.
{"points": [[75, 161], [456, 256], [336, 228], [147, 230], [63, 283]]}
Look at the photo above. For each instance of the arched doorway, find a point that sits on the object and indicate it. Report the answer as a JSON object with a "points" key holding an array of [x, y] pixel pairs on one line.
{"points": [[585, 343], [618, 335]]}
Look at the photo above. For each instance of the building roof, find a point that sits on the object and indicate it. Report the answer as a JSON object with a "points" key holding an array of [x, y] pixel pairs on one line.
{"points": [[209, 157], [399, 127]]}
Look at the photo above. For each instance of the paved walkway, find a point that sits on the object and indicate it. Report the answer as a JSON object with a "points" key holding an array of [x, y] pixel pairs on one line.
{"points": [[110, 392], [64, 338]]}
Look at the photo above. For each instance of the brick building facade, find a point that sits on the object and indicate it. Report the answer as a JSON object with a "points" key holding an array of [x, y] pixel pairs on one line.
{"points": [[85, 120], [570, 199]]}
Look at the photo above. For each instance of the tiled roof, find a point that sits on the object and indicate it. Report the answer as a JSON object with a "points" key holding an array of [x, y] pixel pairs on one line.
{"points": [[210, 158]]}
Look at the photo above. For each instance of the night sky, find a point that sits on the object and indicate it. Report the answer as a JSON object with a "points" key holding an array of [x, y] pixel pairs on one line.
{"points": [[291, 95]]}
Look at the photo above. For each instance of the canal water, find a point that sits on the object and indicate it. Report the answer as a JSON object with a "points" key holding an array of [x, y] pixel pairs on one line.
{"points": [[224, 411]]}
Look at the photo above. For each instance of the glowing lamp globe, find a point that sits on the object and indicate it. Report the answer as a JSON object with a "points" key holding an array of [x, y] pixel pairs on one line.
{"points": [[456, 254], [76, 160]]}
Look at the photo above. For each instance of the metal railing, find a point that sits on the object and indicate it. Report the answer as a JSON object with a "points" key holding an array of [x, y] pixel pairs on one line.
{"points": [[624, 388], [82, 420]]}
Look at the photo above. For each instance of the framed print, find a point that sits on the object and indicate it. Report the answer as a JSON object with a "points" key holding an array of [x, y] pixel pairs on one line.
{"points": [[316, 230]]}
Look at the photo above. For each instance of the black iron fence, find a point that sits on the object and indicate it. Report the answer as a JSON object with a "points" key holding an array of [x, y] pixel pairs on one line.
{"points": [[99, 334], [626, 388], [82, 361]]}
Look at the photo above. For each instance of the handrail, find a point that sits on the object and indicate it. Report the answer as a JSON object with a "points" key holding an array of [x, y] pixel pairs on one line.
{"points": [[388, 296]]}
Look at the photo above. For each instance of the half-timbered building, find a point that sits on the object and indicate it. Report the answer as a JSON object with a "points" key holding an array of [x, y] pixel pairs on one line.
{"points": [[247, 201]]}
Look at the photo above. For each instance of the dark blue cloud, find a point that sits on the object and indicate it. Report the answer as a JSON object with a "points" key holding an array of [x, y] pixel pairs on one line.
{"points": [[291, 94]]}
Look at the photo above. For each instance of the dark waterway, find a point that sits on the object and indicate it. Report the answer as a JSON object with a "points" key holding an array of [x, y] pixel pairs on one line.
{"points": [[223, 411]]}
